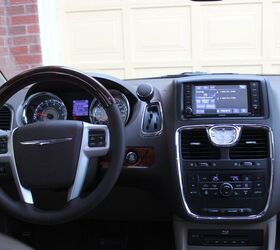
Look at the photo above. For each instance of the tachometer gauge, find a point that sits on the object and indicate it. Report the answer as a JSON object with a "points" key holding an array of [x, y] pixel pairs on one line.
{"points": [[98, 114], [43, 106], [50, 109]]}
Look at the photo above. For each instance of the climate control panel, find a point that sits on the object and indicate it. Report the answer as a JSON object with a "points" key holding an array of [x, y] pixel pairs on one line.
{"points": [[229, 185], [222, 192]]}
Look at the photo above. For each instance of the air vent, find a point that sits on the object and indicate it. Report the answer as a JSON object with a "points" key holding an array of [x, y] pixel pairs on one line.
{"points": [[5, 118], [196, 145], [253, 144]]}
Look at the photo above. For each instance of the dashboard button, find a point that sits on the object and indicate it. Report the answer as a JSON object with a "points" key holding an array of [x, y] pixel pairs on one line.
{"points": [[192, 185], [192, 178], [205, 192], [247, 177], [258, 192], [204, 177], [247, 164], [203, 164], [212, 210], [131, 157], [193, 192], [246, 192], [259, 177], [204, 185], [232, 210], [214, 193], [259, 184]]}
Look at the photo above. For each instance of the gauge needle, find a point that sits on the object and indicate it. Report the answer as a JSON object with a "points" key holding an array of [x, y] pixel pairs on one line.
{"points": [[42, 114]]}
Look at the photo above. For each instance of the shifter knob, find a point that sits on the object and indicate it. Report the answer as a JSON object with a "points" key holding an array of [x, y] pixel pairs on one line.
{"points": [[145, 92]]}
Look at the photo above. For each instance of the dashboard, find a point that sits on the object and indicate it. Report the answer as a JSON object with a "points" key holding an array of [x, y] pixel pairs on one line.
{"points": [[212, 154]]}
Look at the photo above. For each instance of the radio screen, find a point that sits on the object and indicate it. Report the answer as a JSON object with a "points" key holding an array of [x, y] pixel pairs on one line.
{"points": [[220, 99]]}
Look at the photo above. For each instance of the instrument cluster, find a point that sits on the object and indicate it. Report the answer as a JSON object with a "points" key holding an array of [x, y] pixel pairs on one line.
{"points": [[47, 106]]}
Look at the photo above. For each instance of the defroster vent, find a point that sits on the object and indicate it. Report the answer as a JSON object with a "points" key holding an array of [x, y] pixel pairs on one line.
{"points": [[195, 145], [5, 118], [253, 144]]}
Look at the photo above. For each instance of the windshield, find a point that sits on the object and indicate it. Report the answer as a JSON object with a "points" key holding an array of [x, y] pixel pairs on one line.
{"points": [[134, 39]]}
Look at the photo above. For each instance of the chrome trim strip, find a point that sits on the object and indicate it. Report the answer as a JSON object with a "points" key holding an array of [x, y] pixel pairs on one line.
{"points": [[46, 142], [142, 120], [24, 193], [178, 164]]}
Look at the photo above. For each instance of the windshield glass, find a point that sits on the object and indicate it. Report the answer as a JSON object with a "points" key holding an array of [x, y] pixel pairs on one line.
{"points": [[134, 39]]}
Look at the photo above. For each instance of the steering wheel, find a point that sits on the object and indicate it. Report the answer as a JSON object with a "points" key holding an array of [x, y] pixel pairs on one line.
{"points": [[56, 154]]}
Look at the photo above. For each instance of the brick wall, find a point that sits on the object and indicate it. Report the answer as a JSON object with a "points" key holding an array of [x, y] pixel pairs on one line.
{"points": [[20, 47]]}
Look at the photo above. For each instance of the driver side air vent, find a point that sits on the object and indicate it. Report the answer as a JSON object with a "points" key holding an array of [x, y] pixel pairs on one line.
{"points": [[253, 144], [5, 118], [195, 145]]}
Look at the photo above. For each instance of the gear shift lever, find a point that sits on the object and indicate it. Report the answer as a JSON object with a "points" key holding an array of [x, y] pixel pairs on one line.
{"points": [[145, 92]]}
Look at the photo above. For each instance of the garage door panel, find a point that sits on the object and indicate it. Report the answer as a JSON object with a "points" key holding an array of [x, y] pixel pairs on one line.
{"points": [[276, 23], [232, 31], [161, 33], [242, 69], [157, 71], [275, 69], [95, 35], [85, 5], [118, 72], [132, 38]]}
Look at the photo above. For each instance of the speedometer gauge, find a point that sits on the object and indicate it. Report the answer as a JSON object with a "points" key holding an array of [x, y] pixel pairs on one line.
{"points": [[42, 107], [50, 109], [98, 114]]}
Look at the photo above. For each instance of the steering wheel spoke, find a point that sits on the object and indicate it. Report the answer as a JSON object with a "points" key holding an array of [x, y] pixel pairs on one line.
{"points": [[95, 143], [7, 156]]}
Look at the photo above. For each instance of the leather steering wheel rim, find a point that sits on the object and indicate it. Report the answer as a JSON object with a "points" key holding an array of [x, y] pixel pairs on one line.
{"points": [[78, 206]]}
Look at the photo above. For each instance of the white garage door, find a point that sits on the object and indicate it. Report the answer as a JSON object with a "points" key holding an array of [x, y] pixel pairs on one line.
{"points": [[136, 38]]}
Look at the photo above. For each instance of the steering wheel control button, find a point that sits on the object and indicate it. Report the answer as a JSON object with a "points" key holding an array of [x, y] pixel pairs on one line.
{"points": [[96, 138], [3, 144], [226, 189], [131, 157]]}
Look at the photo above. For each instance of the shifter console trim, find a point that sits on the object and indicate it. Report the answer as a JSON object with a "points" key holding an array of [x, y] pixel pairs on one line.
{"points": [[180, 172]]}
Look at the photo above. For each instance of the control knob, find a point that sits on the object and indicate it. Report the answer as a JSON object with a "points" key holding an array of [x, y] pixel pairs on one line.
{"points": [[188, 110], [226, 189]]}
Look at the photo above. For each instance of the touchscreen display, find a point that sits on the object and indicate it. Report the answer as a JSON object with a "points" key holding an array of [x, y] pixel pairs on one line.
{"points": [[220, 99], [80, 108]]}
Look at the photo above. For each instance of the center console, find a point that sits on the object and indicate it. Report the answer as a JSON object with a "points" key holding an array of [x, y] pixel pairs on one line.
{"points": [[218, 181], [224, 158]]}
